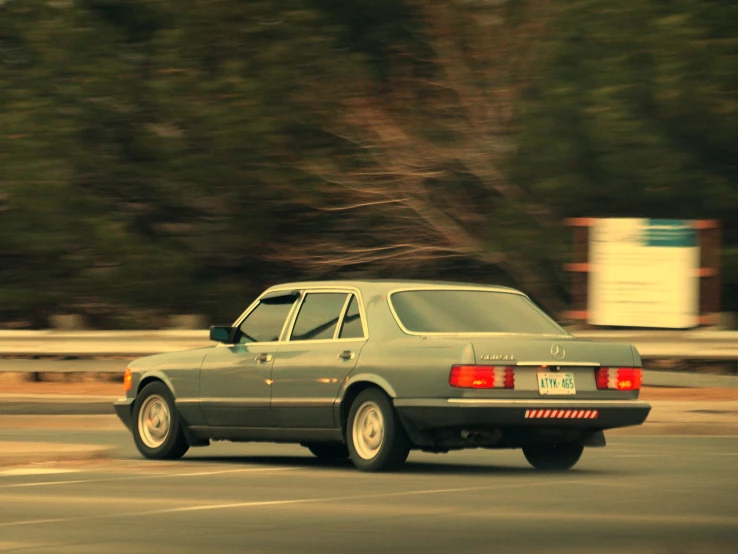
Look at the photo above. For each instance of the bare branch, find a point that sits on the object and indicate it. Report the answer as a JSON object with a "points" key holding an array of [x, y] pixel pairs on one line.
{"points": [[418, 141], [361, 205]]}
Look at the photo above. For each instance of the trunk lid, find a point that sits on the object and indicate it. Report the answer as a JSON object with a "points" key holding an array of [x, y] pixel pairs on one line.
{"points": [[557, 358], [550, 351]]}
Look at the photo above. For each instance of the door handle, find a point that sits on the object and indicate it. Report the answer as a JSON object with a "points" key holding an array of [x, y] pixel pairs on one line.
{"points": [[263, 357], [346, 355]]}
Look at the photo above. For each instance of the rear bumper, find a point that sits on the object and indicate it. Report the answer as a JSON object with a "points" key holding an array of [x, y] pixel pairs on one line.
{"points": [[124, 410], [426, 414]]}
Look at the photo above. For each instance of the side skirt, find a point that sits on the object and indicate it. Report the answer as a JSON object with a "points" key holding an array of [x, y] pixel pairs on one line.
{"points": [[265, 434]]}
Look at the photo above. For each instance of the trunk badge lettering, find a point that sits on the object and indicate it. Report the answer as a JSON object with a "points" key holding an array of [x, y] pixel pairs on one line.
{"points": [[501, 357]]}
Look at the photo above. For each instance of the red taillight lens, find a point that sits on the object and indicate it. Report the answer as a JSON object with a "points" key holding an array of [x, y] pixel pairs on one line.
{"points": [[629, 379], [509, 378], [482, 377], [622, 378], [603, 378], [127, 379]]}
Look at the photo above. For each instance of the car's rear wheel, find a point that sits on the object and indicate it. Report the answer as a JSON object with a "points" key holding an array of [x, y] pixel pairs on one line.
{"points": [[328, 450], [157, 429], [553, 457], [375, 436]]}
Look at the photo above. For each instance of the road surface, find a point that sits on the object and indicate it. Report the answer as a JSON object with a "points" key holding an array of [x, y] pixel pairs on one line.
{"points": [[663, 495]]}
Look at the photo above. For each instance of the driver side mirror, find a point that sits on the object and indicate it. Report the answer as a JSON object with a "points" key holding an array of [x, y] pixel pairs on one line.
{"points": [[221, 333]]}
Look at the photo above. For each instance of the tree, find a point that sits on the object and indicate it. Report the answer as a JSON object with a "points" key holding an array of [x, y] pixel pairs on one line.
{"points": [[136, 136], [167, 157], [422, 171], [636, 115]]}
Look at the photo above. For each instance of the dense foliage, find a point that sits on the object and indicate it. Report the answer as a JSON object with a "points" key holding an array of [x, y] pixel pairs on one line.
{"points": [[163, 157]]}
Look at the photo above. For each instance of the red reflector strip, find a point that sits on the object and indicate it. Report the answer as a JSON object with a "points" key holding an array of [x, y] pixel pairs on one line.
{"points": [[562, 414]]}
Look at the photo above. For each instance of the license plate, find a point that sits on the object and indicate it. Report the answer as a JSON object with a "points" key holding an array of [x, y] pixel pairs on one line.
{"points": [[556, 383]]}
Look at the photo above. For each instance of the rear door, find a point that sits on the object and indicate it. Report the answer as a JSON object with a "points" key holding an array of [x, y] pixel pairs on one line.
{"points": [[322, 349]]}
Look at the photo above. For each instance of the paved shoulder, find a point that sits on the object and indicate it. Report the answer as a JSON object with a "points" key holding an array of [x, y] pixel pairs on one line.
{"points": [[21, 452]]}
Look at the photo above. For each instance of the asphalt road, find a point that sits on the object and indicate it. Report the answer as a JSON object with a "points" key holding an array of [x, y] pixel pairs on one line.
{"points": [[661, 495]]}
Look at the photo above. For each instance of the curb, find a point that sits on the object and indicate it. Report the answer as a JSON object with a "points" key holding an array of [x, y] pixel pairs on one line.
{"points": [[22, 453], [53, 404]]}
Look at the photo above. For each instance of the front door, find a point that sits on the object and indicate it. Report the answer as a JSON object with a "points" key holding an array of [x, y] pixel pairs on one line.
{"points": [[322, 349], [235, 379]]}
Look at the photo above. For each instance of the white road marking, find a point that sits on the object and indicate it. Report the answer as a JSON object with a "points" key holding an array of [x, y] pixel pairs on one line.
{"points": [[629, 518], [149, 476], [223, 471], [650, 438], [15, 546], [552, 515], [255, 504], [49, 500], [35, 471], [611, 485], [666, 486], [639, 456]]}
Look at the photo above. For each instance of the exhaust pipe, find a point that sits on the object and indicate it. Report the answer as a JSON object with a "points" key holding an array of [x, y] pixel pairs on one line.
{"points": [[487, 437]]}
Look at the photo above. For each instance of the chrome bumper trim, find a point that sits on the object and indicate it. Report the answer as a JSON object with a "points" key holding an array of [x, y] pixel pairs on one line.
{"points": [[548, 402]]}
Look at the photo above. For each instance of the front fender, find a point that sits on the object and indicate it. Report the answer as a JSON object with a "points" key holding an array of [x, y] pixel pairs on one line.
{"points": [[152, 375]]}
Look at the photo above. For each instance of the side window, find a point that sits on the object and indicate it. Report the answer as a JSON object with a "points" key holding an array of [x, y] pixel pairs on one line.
{"points": [[265, 322], [319, 315], [352, 327]]}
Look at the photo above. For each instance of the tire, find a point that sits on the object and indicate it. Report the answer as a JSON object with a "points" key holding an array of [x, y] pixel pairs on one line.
{"points": [[328, 450], [376, 439], [553, 457], [157, 429]]}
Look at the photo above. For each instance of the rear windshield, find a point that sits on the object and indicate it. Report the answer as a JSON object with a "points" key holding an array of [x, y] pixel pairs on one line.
{"points": [[465, 311]]}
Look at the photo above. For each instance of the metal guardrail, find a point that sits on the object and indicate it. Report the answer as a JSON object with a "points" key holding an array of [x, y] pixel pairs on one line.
{"points": [[686, 345], [107, 352], [680, 345], [86, 344], [109, 367], [111, 370]]}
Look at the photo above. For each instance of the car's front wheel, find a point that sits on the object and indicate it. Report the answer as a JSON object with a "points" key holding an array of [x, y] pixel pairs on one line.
{"points": [[375, 436], [157, 431], [328, 450], [553, 457]]}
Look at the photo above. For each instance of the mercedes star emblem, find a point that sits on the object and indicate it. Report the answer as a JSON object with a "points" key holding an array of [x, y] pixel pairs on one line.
{"points": [[558, 352]]}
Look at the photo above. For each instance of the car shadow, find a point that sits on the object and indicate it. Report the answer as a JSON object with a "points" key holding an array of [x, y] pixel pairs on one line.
{"points": [[409, 468]]}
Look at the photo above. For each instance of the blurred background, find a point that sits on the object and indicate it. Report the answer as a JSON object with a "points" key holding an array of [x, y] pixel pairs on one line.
{"points": [[162, 158]]}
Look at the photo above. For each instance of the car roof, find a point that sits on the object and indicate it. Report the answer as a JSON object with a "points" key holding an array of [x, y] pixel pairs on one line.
{"points": [[387, 285]]}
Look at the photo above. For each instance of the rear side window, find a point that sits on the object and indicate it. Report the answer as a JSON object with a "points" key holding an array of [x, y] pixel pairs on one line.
{"points": [[265, 322], [351, 328], [468, 311], [319, 315]]}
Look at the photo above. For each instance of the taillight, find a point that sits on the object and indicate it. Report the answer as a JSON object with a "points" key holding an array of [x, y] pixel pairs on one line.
{"points": [[619, 378], [482, 377], [127, 379]]}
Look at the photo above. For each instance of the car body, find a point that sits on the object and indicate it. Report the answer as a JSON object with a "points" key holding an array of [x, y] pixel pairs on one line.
{"points": [[373, 369]]}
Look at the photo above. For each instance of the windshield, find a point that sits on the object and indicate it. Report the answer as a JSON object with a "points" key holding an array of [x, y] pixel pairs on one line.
{"points": [[470, 311]]}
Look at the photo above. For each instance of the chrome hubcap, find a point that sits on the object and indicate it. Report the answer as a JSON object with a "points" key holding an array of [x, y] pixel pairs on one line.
{"points": [[368, 430], [154, 421]]}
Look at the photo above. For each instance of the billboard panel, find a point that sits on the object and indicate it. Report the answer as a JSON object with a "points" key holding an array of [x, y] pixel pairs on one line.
{"points": [[643, 273]]}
